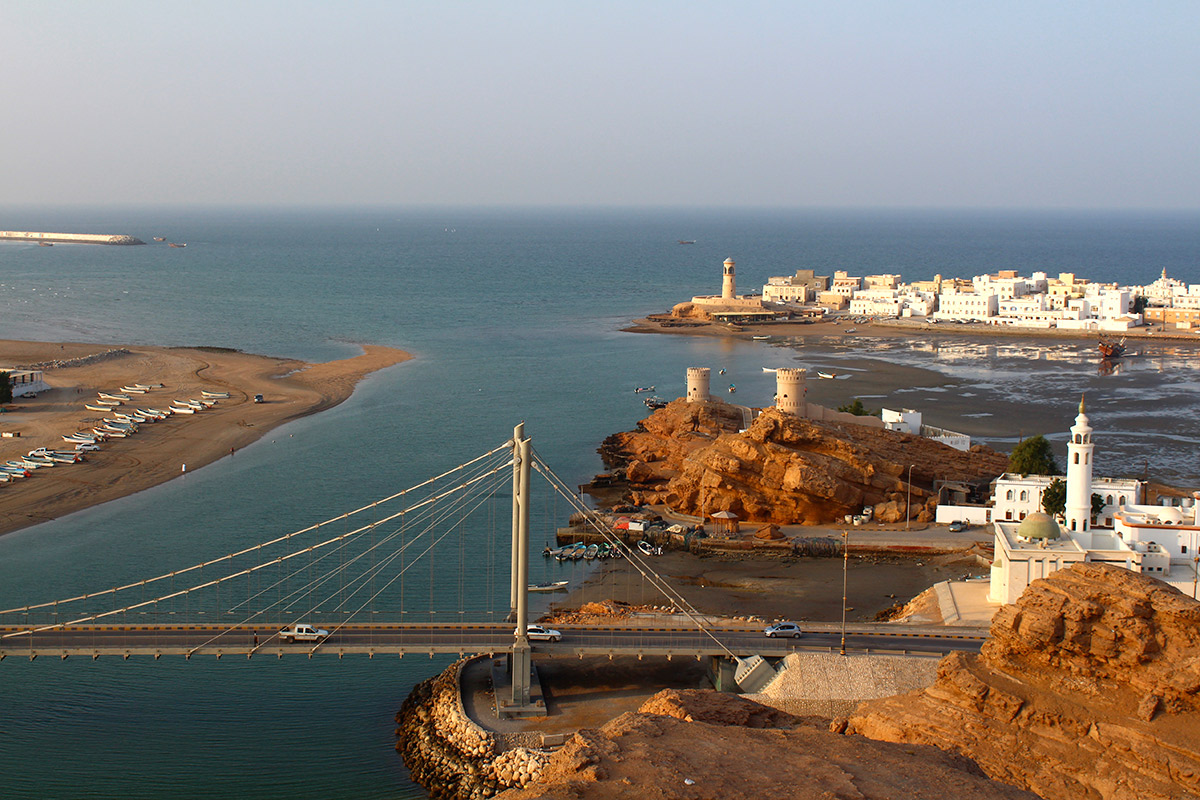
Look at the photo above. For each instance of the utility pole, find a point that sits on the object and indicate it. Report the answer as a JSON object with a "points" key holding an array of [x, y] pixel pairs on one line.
{"points": [[845, 566]]}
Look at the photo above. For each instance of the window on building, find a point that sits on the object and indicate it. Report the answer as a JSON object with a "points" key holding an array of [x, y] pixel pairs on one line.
{"points": [[1077, 458], [1024, 495], [1107, 500], [1183, 549], [1010, 494], [1008, 514]]}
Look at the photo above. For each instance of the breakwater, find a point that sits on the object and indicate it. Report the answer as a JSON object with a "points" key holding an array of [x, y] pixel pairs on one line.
{"points": [[71, 238], [451, 756]]}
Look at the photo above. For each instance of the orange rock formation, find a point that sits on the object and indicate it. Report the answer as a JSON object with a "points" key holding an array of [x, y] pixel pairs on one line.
{"points": [[783, 469], [1086, 689]]}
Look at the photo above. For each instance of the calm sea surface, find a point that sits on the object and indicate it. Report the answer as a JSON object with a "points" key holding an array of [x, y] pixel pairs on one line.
{"points": [[511, 316]]}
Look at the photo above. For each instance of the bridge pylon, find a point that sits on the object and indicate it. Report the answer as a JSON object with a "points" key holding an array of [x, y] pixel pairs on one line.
{"points": [[520, 661]]}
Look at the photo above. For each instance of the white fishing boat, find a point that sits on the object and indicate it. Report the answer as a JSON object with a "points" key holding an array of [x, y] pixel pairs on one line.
{"points": [[182, 410], [76, 438], [761, 338], [106, 402], [827, 375], [121, 397], [769, 369], [645, 547], [132, 390], [146, 387], [548, 587], [160, 412], [851, 330], [37, 462], [214, 395], [101, 409], [14, 472], [111, 432], [64, 458]]}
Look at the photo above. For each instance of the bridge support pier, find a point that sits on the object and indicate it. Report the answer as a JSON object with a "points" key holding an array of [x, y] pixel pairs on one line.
{"points": [[520, 702], [722, 672]]}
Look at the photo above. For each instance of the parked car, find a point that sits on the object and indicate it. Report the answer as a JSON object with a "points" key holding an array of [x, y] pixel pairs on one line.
{"points": [[783, 629], [538, 633], [957, 526]]}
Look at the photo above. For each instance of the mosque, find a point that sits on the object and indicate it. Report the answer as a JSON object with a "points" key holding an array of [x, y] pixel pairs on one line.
{"points": [[1157, 540]]}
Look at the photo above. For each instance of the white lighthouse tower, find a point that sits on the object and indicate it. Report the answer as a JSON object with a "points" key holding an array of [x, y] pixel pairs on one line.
{"points": [[1079, 474], [728, 284]]}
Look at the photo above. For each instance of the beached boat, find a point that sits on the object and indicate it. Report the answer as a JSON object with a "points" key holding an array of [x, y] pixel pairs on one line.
{"points": [[111, 432], [214, 395], [132, 390], [851, 330], [827, 375], [761, 338], [769, 369], [591, 552], [1110, 348], [548, 587], [16, 472], [567, 553], [101, 409], [182, 410], [148, 386], [645, 548]]}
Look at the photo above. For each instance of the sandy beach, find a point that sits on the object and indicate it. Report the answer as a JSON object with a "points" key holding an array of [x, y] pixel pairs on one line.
{"points": [[159, 451]]}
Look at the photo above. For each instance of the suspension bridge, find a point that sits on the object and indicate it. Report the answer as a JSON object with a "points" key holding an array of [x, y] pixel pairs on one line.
{"points": [[420, 571]]}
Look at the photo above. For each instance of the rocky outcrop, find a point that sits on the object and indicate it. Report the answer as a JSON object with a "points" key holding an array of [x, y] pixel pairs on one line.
{"points": [[451, 756], [689, 744], [1087, 688], [783, 469]]}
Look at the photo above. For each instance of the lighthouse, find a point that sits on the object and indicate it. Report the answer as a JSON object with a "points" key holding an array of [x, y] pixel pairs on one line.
{"points": [[728, 283]]}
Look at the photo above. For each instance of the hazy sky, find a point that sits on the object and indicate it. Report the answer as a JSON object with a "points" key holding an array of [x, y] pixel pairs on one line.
{"points": [[902, 103]]}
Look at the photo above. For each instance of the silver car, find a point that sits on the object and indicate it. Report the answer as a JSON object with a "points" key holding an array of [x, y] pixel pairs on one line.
{"points": [[784, 629], [538, 633]]}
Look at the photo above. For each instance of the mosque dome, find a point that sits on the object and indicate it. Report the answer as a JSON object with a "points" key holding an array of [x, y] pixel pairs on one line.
{"points": [[729, 261], [1039, 526]]}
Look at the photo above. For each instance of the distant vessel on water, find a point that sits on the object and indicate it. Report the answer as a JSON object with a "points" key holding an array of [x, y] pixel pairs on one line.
{"points": [[45, 244], [1112, 349], [687, 241], [176, 244], [160, 238]]}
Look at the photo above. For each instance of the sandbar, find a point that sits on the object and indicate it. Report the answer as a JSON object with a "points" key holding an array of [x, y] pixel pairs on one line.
{"points": [[158, 452]]}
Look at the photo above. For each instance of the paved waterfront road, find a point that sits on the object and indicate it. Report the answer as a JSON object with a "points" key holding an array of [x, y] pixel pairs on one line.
{"points": [[212, 640]]}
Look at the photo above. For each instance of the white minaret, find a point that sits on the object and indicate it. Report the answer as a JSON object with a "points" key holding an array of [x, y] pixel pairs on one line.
{"points": [[790, 390], [1079, 474], [697, 384], [728, 285]]}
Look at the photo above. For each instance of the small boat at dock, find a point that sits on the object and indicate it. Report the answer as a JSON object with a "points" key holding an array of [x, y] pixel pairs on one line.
{"points": [[655, 403], [548, 587]]}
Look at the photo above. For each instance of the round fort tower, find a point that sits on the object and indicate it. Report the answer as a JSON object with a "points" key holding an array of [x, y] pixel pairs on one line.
{"points": [[728, 283], [790, 390], [697, 384]]}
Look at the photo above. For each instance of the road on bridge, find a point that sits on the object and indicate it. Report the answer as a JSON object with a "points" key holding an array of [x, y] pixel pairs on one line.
{"points": [[401, 639]]}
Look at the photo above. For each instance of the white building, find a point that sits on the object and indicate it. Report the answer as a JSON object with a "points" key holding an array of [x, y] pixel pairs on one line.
{"points": [[1154, 540], [1017, 496], [26, 382], [906, 420], [967, 305]]}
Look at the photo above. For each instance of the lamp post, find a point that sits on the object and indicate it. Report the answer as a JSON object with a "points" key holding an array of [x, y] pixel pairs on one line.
{"points": [[908, 501], [845, 563]]}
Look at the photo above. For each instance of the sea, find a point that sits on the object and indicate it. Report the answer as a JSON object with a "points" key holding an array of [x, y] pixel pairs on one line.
{"points": [[512, 316]]}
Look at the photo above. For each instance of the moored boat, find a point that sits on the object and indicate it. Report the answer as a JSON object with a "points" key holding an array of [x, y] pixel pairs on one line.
{"points": [[548, 587], [1110, 348], [592, 550], [654, 403]]}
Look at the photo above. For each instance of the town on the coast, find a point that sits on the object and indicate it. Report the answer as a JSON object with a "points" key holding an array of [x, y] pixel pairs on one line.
{"points": [[1003, 299]]}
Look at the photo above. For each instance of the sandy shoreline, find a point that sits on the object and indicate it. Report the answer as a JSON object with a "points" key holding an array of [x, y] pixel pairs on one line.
{"points": [[291, 389], [655, 324]]}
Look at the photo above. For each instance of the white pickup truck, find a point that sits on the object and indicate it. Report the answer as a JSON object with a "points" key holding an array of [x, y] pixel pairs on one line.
{"points": [[302, 633]]}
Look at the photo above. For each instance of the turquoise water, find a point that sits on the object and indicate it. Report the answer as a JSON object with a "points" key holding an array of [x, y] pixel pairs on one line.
{"points": [[511, 316]]}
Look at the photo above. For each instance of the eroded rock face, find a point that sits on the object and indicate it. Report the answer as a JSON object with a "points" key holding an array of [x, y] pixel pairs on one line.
{"points": [[705, 744], [783, 469], [1086, 689]]}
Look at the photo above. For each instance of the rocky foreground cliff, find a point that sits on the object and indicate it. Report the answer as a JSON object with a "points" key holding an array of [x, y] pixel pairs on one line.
{"points": [[1087, 688], [701, 744], [783, 469]]}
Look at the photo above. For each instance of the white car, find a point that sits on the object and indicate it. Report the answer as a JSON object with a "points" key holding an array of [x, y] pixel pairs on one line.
{"points": [[84, 447], [303, 633], [783, 629], [538, 633]]}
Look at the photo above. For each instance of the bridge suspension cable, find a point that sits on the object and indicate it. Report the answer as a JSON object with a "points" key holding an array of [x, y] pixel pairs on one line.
{"points": [[634, 557], [483, 469]]}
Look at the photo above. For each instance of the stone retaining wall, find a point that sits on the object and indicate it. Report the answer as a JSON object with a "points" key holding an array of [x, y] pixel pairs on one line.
{"points": [[77, 238], [451, 756], [77, 362]]}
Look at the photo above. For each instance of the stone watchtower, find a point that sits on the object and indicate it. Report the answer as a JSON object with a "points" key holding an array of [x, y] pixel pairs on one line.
{"points": [[697, 384], [790, 391], [728, 284]]}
